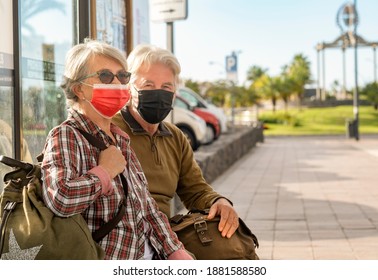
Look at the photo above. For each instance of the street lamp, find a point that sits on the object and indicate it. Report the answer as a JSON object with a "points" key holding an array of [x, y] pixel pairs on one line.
{"points": [[349, 18], [355, 93]]}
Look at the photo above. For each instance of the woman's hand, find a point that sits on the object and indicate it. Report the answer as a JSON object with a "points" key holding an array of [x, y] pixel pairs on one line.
{"points": [[112, 160]]}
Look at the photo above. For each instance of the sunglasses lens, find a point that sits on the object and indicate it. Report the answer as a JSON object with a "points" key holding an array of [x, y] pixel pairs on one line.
{"points": [[106, 76], [123, 77]]}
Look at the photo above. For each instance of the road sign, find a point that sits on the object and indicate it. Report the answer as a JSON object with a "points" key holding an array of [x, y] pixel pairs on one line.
{"points": [[231, 63], [168, 10], [232, 67]]}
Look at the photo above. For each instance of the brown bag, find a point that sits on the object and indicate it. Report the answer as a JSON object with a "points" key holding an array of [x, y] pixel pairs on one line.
{"points": [[201, 237], [30, 230]]}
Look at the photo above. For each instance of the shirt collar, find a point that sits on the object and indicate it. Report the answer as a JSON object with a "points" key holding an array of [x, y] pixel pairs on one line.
{"points": [[136, 128], [83, 122]]}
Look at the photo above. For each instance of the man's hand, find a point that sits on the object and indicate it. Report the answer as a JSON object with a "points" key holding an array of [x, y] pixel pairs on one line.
{"points": [[229, 221]]}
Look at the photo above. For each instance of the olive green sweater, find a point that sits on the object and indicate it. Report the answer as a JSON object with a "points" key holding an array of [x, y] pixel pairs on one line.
{"points": [[168, 162]]}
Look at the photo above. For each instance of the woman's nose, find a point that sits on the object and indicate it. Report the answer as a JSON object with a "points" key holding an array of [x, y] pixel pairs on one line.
{"points": [[116, 81]]}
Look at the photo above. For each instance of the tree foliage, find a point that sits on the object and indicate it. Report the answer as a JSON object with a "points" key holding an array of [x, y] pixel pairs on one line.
{"points": [[255, 72], [268, 88], [290, 82], [371, 93], [299, 73], [193, 85]]}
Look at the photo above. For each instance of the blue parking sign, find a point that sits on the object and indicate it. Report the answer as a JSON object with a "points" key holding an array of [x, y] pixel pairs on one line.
{"points": [[231, 63]]}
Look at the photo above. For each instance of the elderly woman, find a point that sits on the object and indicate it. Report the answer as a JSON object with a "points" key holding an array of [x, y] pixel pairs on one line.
{"points": [[79, 178]]}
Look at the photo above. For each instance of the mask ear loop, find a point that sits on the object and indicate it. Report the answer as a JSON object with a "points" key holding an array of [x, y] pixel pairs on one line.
{"points": [[132, 100], [137, 90], [86, 84]]}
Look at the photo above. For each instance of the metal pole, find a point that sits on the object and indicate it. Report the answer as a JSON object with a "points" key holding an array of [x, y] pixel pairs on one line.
{"points": [[170, 47], [233, 106], [324, 78], [170, 36], [234, 85], [375, 64], [344, 73], [318, 95], [17, 132], [355, 95]]}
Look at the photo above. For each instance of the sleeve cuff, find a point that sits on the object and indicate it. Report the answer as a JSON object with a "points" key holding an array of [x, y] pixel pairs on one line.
{"points": [[215, 200], [180, 255], [104, 177]]}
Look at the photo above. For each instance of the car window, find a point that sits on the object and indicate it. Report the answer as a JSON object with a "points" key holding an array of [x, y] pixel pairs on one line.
{"points": [[189, 97], [181, 104]]}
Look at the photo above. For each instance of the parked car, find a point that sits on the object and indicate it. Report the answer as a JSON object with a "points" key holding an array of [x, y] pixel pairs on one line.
{"points": [[198, 101], [190, 124], [212, 122]]}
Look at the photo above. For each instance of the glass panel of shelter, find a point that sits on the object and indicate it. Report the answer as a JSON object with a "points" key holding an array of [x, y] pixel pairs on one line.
{"points": [[46, 36], [6, 86]]}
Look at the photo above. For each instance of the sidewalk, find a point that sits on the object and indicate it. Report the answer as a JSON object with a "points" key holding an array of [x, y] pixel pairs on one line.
{"points": [[308, 198]]}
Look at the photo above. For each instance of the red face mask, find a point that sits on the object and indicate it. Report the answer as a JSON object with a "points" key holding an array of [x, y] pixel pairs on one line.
{"points": [[108, 99]]}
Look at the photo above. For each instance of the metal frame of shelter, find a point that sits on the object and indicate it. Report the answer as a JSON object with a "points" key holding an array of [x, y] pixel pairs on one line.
{"points": [[346, 40]]}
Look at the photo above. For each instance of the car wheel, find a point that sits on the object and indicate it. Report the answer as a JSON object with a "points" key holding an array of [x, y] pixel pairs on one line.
{"points": [[191, 138]]}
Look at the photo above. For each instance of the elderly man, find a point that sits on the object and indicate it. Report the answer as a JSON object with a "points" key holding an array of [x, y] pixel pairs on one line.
{"points": [[162, 149]]}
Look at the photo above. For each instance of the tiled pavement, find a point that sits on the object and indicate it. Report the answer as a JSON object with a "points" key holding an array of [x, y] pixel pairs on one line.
{"points": [[308, 198]]}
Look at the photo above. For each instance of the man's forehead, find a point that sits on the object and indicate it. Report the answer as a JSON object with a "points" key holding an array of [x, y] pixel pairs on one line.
{"points": [[146, 80], [155, 78]]}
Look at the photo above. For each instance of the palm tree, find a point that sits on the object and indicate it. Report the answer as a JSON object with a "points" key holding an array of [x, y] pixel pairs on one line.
{"points": [[255, 72], [267, 87], [299, 72], [286, 87]]}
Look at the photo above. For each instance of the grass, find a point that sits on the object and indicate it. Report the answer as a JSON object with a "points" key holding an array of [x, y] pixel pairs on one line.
{"points": [[318, 121]]}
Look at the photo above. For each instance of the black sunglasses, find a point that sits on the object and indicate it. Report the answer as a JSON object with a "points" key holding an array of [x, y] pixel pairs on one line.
{"points": [[107, 77]]}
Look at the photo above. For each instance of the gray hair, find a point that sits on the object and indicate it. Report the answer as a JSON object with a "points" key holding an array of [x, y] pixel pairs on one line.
{"points": [[147, 55], [78, 60]]}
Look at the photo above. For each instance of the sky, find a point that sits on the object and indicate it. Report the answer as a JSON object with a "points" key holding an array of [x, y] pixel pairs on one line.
{"points": [[268, 33]]}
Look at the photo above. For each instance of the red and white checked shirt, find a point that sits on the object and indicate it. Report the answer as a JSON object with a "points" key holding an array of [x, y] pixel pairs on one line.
{"points": [[71, 187]]}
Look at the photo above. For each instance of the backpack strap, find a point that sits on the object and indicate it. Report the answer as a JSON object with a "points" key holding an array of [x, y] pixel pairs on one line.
{"points": [[16, 163], [101, 232], [94, 141]]}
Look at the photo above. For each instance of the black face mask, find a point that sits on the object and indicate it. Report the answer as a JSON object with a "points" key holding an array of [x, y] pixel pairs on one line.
{"points": [[154, 105]]}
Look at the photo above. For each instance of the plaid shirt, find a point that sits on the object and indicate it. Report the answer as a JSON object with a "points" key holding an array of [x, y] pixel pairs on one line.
{"points": [[71, 188]]}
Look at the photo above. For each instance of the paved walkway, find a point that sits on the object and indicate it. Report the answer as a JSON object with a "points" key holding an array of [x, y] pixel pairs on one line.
{"points": [[308, 198]]}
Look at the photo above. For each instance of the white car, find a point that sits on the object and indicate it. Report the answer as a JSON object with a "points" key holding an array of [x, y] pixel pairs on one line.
{"points": [[190, 124], [197, 100]]}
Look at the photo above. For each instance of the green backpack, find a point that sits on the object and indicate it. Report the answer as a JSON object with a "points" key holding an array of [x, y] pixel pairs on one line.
{"points": [[29, 230]]}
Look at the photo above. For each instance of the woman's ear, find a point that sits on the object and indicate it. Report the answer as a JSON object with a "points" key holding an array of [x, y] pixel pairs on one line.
{"points": [[78, 91]]}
